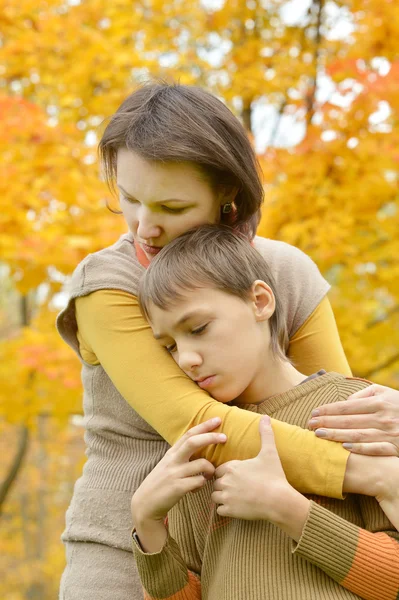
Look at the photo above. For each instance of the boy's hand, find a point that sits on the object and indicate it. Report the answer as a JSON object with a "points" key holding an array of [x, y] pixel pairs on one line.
{"points": [[172, 478], [258, 488]]}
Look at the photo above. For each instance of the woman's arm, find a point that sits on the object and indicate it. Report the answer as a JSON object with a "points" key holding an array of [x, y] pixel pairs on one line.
{"points": [[112, 331], [316, 345]]}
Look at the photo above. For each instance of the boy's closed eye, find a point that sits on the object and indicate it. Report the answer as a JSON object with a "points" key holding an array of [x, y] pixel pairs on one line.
{"points": [[172, 348]]}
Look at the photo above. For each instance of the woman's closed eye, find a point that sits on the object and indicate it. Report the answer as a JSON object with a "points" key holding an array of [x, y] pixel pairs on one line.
{"points": [[174, 211]]}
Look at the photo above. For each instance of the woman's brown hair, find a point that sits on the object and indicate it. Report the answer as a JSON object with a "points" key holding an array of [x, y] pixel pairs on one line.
{"points": [[181, 123]]}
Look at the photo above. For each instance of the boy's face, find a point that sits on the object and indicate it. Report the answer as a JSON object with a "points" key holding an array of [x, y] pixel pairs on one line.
{"points": [[218, 340]]}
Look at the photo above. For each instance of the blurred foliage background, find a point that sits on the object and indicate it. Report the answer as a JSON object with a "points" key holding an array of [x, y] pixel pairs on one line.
{"points": [[316, 84]]}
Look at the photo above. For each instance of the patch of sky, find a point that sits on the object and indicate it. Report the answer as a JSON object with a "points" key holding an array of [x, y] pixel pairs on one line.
{"points": [[219, 78], [352, 143], [91, 138], [168, 59], [338, 22], [104, 23], [381, 114], [89, 159], [295, 12], [388, 210], [368, 268], [329, 135], [270, 128], [212, 5], [216, 51], [381, 65]]}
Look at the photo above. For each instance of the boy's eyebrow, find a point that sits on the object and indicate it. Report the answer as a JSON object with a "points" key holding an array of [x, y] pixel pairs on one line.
{"points": [[181, 321]]}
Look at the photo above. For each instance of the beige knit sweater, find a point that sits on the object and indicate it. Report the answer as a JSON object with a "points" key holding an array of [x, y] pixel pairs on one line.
{"points": [[348, 548]]}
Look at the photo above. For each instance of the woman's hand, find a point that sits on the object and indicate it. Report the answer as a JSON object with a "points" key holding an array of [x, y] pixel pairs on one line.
{"points": [[258, 489], [368, 422]]}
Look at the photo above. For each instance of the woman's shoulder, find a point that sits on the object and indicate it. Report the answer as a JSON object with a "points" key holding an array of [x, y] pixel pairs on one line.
{"points": [[300, 285], [113, 267]]}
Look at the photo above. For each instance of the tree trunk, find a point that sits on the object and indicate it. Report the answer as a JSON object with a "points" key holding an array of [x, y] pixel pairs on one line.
{"points": [[16, 464]]}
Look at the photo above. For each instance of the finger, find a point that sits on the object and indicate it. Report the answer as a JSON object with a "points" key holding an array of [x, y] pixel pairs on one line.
{"points": [[349, 407], [371, 390], [373, 449], [367, 421], [224, 468], [204, 427], [268, 445], [218, 485], [201, 465], [352, 435], [191, 484], [217, 497], [193, 444]]}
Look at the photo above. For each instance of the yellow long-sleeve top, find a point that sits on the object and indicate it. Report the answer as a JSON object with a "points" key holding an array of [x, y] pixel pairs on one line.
{"points": [[134, 391]]}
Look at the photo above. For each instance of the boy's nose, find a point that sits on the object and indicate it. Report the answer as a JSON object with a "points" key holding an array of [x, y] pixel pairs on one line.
{"points": [[189, 360]]}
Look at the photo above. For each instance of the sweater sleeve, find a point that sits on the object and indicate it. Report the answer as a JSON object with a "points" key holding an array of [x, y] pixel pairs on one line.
{"points": [[364, 561], [113, 332], [308, 348], [165, 574]]}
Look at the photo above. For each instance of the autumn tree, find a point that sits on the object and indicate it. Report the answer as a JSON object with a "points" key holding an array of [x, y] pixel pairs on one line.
{"points": [[326, 69]]}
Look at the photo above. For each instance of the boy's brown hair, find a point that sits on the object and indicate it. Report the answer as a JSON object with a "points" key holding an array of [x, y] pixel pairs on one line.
{"points": [[210, 256]]}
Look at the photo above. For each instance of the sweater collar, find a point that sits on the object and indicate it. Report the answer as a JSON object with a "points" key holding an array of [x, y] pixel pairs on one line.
{"points": [[274, 403]]}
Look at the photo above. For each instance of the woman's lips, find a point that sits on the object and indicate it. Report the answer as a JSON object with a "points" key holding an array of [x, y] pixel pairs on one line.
{"points": [[207, 382], [153, 250]]}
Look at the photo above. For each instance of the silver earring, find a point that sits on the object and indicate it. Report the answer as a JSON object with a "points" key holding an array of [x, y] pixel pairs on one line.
{"points": [[226, 208]]}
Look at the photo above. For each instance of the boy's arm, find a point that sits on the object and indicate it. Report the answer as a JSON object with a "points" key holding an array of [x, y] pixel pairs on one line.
{"points": [[164, 574], [365, 561], [176, 569]]}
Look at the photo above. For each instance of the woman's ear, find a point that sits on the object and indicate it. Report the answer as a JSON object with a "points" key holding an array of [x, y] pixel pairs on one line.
{"points": [[227, 194], [263, 300]]}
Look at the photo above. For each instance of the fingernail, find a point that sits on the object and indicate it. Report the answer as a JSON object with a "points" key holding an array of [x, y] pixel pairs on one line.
{"points": [[321, 433], [216, 420], [315, 413], [222, 437], [347, 446], [313, 422]]}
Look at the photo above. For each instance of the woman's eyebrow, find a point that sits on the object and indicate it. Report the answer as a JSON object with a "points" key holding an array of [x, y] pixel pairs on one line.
{"points": [[125, 192], [182, 200]]}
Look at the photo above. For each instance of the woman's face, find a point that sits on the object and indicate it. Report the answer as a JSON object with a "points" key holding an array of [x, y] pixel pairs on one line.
{"points": [[160, 201]]}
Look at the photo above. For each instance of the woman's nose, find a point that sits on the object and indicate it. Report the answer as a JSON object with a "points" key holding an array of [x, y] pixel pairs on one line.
{"points": [[147, 226]]}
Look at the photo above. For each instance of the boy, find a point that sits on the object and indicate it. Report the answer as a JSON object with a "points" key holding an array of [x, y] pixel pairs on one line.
{"points": [[210, 300]]}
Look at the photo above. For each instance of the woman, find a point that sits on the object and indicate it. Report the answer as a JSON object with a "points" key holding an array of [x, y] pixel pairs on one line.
{"points": [[180, 159]]}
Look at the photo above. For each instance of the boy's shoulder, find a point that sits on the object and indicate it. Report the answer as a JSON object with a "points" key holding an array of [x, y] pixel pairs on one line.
{"points": [[349, 385]]}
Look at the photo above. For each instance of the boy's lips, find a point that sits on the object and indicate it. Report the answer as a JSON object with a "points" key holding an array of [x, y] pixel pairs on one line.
{"points": [[205, 382]]}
